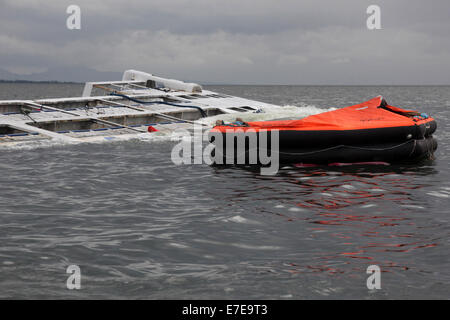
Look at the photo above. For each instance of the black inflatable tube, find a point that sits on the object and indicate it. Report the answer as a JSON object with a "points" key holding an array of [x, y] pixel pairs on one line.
{"points": [[328, 138], [411, 150], [407, 151]]}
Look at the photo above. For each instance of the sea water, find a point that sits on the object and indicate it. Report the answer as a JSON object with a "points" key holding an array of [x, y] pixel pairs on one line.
{"points": [[140, 227]]}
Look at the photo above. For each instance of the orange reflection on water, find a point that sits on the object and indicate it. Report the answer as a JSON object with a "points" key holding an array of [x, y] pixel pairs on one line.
{"points": [[353, 207]]}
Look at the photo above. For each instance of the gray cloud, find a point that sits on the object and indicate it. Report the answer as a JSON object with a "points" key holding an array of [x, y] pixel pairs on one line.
{"points": [[298, 42]]}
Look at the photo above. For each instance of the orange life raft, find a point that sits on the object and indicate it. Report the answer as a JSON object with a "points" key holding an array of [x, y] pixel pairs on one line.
{"points": [[370, 131]]}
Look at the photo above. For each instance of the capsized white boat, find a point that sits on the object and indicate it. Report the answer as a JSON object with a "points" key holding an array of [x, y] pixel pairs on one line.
{"points": [[138, 104]]}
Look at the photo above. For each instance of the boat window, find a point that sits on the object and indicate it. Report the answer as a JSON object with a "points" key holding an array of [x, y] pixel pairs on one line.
{"points": [[241, 109], [167, 99], [188, 97], [10, 130]]}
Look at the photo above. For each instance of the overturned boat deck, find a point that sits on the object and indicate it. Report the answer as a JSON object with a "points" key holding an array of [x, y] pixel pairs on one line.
{"points": [[118, 108]]}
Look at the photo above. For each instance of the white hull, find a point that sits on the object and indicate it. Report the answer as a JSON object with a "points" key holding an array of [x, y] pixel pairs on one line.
{"points": [[117, 111]]}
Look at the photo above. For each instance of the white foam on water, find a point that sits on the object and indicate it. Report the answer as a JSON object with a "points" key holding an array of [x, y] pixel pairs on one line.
{"points": [[412, 206], [438, 194], [238, 245], [269, 113], [48, 143], [239, 219], [368, 206], [30, 145], [295, 209], [251, 247], [445, 190], [178, 245]]}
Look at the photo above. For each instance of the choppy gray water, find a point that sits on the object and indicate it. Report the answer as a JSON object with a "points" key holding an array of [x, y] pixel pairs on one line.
{"points": [[141, 227]]}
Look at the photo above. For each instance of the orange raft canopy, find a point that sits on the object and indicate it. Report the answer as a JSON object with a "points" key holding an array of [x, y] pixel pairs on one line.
{"points": [[369, 131]]}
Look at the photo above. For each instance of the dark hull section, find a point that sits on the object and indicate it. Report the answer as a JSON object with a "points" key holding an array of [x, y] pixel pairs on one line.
{"points": [[327, 138], [401, 151], [411, 150]]}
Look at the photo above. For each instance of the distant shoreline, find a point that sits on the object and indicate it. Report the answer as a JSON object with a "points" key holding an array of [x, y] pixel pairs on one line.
{"points": [[45, 82], [247, 84]]}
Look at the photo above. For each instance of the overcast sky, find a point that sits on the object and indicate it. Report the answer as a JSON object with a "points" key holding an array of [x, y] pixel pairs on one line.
{"points": [[233, 41]]}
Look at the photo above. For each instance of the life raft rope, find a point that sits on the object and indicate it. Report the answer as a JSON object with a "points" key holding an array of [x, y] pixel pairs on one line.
{"points": [[356, 148], [202, 112]]}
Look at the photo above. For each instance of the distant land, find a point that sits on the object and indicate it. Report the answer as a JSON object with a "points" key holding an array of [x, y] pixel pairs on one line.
{"points": [[61, 74], [83, 74], [69, 75], [30, 81], [72, 75]]}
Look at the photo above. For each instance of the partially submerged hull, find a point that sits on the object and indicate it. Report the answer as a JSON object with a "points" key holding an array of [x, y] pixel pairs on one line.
{"points": [[367, 132], [116, 109]]}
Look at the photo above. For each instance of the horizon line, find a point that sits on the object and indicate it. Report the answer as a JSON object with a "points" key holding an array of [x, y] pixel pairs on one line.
{"points": [[251, 84]]}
